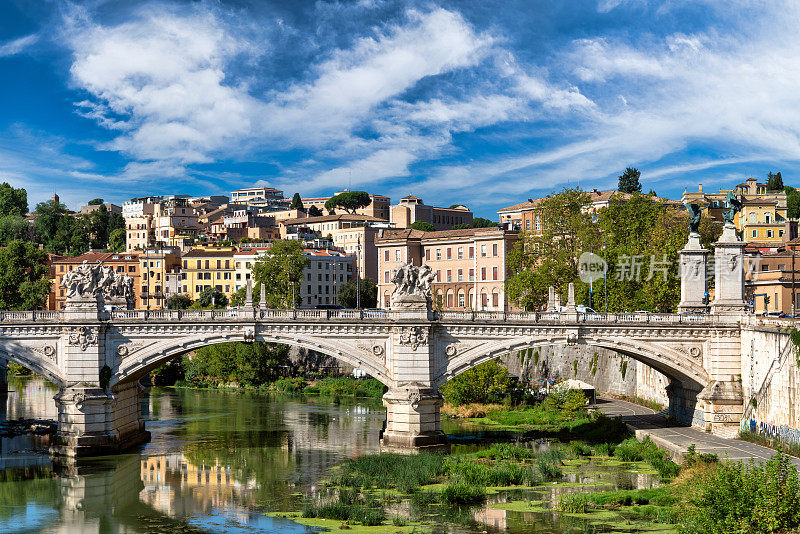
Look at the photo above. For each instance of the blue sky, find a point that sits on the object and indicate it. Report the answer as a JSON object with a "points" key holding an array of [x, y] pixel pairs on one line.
{"points": [[484, 103]]}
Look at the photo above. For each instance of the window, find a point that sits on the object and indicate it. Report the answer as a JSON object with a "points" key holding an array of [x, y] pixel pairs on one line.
{"points": [[483, 273], [460, 275], [494, 273], [460, 299], [449, 299], [527, 224], [438, 276], [769, 233], [538, 222], [755, 233], [471, 252], [484, 299], [385, 277], [385, 255], [780, 233], [767, 219], [765, 267], [397, 255], [449, 275], [438, 254], [472, 275], [494, 249], [427, 255], [460, 253], [495, 299], [449, 253], [483, 251]]}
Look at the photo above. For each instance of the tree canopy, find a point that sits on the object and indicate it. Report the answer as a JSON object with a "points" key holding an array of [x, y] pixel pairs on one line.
{"points": [[629, 181], [423, 226], [179, 302], [210, 298], [774, 182], [792, 202], [314, 211], [13, 201], [480, 222], [24, 282], [350, 201], [638, 238], [346, 294], [281, 272], [297, 203], [95, 202]]}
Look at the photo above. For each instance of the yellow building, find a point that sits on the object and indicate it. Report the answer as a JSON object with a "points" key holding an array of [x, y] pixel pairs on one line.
{"points": [[207, 266], [762, 220]]}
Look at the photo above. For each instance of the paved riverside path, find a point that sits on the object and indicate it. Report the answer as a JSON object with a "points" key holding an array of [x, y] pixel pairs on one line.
{"points": [[676, 439]]}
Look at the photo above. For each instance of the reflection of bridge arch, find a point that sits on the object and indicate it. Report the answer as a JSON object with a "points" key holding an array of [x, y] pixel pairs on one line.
{"points": [[135, 364]]}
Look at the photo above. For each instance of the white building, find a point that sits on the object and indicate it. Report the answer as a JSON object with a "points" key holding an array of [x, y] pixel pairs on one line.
{"points": [[326, 271]]}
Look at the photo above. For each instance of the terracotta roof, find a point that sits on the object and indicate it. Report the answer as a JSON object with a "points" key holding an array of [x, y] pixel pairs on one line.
{"points": [[530, 203], [410, 233], [411, 197], [329, 218], [93, 257]]}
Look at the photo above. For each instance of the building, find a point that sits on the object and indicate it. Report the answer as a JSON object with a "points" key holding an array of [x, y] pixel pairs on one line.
{"points": [[411, 209], [470, 265], [262, 197], [326, 271], [127, 263], [244, 260], [160, 270], [378, 208], [352, 233], [111, 208], [206, 267], [761, 221], [245, 223], [159, 221]]}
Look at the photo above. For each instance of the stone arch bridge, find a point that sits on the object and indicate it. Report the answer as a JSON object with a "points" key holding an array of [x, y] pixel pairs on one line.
{"points": [[96, 358]]}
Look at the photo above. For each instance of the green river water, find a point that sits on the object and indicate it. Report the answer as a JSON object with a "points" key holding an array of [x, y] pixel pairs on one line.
{"points": [[219, 460]]}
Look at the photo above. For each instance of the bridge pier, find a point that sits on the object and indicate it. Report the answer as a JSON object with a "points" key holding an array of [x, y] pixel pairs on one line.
{"points": [[413, 421], [94, 422]]}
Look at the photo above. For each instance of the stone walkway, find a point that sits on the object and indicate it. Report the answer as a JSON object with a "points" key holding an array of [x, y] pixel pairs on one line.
{"points": [[676, 439]]}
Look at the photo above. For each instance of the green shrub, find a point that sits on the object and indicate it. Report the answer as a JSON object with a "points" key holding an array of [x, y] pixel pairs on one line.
{"points": [[573, 503], [480, 474], [399, 521], [460, 493], [578, 448], [743, 498], [289, 385], [489, 382], [506, 451], [604, 449], [343, 386], [566, 402], [404, 472]]}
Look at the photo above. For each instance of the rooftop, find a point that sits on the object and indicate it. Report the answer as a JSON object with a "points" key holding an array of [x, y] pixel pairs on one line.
{"points": [[355, 217]]}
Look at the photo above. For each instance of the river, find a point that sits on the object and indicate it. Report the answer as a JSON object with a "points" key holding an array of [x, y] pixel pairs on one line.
{"points": [[216, 462]]}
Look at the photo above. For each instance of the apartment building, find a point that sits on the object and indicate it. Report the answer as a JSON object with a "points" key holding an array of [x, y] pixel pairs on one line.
{"points": [[152, 221], [267, 198], [126, 263], [244, 223], [378, 208], [411, 209], [354, 234], [208, 266], [762, 217], [160, 270], [470, 265], [244, 260], [326, 271]]}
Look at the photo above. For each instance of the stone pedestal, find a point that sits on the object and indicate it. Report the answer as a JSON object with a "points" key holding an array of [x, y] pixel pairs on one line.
{"points": [[413, 421], [93, 422], [80, 309], [722, 405], [694, 260], [729, 274]]}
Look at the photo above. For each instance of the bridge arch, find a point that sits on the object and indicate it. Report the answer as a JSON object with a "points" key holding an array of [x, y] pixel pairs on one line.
{"points": [[42, 364], [133, 364], [667, 360]]}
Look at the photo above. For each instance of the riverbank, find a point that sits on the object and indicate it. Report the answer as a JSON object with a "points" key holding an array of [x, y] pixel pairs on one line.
{"points": [[332, 386]]}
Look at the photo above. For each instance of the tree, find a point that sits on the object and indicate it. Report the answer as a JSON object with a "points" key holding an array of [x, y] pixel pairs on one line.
{"points": [[314, 211], [423, 226], [280, 269], [629, 181], [792, 202], [96, 202], [179, 302], [13, 201], [774, 182], [454, 206], [14, 227], [117, 240], [480, 222], [211, 297], [349, 201], [247, 364], [346, 294], [24, 282], [486, 383], [297, 203], [550, 257]]}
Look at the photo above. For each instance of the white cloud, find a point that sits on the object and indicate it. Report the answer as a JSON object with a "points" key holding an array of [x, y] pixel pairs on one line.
{"points": [[17, 46]]}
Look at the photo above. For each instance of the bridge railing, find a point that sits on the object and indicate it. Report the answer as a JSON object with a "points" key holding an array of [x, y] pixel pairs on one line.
{"points": [[30, 316], [537, 317]]}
